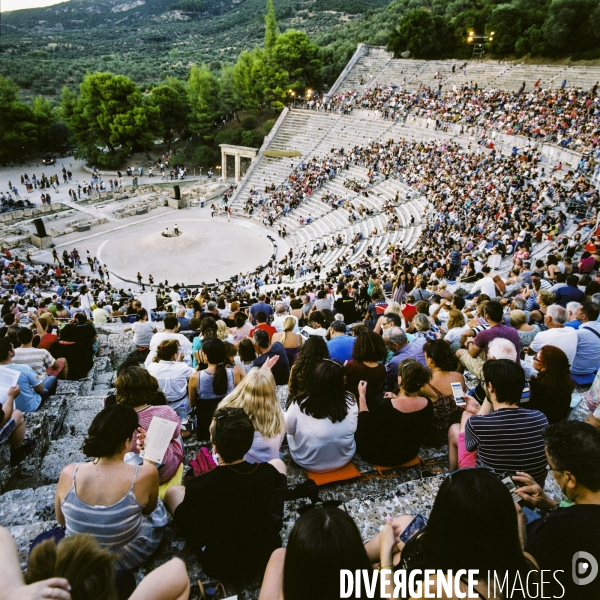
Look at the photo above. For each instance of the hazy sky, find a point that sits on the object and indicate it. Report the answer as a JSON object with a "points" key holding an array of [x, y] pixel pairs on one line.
{"points": [[6, 5]]}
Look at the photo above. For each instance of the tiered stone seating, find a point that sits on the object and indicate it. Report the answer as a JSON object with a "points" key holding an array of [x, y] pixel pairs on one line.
{"points": [[378, 66]]}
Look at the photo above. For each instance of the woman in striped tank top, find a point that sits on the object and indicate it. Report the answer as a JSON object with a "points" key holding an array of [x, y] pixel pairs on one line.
{"points": [[113, 501]]}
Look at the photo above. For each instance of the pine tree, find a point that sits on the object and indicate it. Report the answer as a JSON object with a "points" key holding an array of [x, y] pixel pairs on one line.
{"points": [[271, 29]]}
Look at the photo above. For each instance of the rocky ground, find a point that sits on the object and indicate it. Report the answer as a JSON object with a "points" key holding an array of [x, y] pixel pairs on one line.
{"points": [[27, 502]]}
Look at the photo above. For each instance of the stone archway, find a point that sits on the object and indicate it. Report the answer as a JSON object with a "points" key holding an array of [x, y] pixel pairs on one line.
{"points": [[238, 152]]}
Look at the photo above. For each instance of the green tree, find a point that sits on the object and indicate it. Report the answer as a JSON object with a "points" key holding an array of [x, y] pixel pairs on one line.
{"points": [[422, 34], [300, 58], [271, 29], [110, 119], [204, 99], [507, 22], [173, 109], [18, 135], [568, 27], [229, 99], [248, 80]]}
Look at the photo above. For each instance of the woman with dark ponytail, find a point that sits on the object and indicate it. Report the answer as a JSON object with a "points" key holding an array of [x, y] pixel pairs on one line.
{"points": [[115, 502], [210, 385]]}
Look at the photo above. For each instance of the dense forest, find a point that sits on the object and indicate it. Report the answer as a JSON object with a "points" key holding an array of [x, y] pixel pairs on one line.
{"points": [[218, 71]]}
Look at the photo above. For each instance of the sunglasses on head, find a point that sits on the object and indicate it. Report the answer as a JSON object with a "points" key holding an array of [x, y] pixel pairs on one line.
{"points": [[228, 412]]}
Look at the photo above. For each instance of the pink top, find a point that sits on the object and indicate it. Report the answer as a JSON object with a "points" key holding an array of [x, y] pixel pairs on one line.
{"points": [[174, 455]]}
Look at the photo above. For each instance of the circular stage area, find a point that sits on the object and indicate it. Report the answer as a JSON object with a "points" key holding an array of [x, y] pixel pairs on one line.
{"points": [[205, 250]]}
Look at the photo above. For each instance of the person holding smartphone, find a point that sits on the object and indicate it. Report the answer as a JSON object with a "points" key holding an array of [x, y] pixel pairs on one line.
{"points": [[392, 426]]}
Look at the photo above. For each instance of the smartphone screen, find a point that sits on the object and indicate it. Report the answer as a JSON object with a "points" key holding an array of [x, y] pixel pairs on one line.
{"points": [[512, 488], [458, 393], [416, 525]]}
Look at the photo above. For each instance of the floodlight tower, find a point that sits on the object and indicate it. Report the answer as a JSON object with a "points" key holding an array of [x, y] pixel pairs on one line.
{"points": [[479, 42]]}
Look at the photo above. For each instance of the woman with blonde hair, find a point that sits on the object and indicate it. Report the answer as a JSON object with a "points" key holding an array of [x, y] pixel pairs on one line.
{"points": [[223, 332], [392, 307], [518, 320], [289, 340], [456, 327], [257, 396]]}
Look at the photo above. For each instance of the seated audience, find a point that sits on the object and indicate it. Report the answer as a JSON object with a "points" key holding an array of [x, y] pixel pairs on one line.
{"points": [[41, 361], [518, 320], [265, 350], [170, 333], [551, 388], [207, 387], [70, 569], [287, 337], [500, 434], [312, 353], [32, 392], [320, 425], [232, 515], [396, 341], [78, 354], [262, 323], [172, 375], [135, 387], [12, 429], [368, 355], [257, 396], [572, 526], [323, 541], [143, 331], [340, 344], [443, 365], [247, 354], [391, 427], [99, 497], [556, 334], [587, 355], [480, 494]]}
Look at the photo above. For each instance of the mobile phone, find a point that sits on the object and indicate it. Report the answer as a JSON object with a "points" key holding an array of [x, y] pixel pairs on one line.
{"points": [[507, 480], [416, 526], [457, 391]]}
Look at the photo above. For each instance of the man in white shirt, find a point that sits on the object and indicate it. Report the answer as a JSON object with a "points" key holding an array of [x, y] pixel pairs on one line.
{"points": [[557, 334], [170, 333], [174, 295], [281, 313], [485, 285]]}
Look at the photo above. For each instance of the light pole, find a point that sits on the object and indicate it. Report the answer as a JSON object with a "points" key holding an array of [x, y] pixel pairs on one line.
{"points": [[479, 42]]}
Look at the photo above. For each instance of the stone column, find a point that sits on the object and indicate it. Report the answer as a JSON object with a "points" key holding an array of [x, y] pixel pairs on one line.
{"points": [[237, 168], [223, 166]]}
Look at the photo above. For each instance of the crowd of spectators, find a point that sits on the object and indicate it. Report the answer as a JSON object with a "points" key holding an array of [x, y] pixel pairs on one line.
{"points": [[568, 117], [435, 348]]}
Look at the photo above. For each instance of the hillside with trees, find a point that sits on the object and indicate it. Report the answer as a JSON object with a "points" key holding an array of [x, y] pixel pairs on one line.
{"points": [[110, 78]]}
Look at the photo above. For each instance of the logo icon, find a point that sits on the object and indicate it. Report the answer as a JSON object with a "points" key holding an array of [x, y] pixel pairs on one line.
{"points": [[585, 568]]}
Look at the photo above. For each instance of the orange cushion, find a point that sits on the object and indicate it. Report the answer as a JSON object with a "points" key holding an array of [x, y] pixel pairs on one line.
{"points": [[414, 462], [348, 472]]}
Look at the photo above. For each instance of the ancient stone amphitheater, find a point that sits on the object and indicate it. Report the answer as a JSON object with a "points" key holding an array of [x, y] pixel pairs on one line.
{"points": [[27, 501]]}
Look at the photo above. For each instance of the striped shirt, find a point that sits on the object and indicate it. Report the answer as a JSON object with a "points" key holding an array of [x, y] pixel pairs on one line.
{"points": [[509, 440], [36, 358], [112, 526]]}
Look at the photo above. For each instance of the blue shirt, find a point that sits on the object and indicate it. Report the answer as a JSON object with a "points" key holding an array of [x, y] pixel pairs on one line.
{"points": [[28, 399], [411, 350], [575, 324], [569, 293], [266, 308], [587, 357], [340, 347]]}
